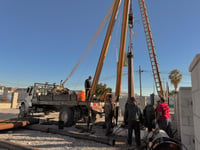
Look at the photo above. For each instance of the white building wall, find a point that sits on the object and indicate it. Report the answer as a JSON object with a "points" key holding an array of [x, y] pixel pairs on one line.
{"points": [[195, 75], [186, 117]]}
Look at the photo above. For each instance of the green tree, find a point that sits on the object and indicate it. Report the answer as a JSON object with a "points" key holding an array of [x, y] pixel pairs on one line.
{"points": [[101, 89], [175, 77]]}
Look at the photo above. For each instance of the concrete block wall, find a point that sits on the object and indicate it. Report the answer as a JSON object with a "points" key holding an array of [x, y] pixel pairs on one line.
{"points": [[175, 116], [186, 124], [195, 77]]}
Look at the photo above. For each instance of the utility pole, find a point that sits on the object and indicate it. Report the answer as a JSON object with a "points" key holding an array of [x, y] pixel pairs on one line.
{"points": [[167, 87], [140, 72]]}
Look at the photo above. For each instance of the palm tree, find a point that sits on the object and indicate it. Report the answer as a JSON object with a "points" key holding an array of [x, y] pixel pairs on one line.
{"points": [[175, 76]]}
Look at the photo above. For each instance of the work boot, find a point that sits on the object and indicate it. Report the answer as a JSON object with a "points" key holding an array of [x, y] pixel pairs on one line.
{"points": [[138, 147], [128, 143]]}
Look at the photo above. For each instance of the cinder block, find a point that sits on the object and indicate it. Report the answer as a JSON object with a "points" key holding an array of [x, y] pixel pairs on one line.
{"points": [[195, 78], [191, 121], [196, 128], [185, 121], [195, 74], [186, 112], [197, 144], [189, 147], [186, 140], [187, 130], [197, 103]]}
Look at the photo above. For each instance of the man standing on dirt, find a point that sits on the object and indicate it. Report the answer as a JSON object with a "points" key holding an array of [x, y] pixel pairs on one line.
{"points": [[108, 108], [149, 117], [132, 117], [87, 87], [163, 117]]}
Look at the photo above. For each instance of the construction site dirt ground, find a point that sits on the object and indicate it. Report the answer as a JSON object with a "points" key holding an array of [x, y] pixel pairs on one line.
{"points": [[42, 140]]}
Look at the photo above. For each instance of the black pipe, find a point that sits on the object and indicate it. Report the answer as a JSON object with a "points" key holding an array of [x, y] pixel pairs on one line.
{"points": [[107, 140]]}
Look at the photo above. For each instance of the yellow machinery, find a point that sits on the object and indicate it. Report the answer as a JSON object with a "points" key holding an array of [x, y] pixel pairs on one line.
{"points": [[150, 46], [149, 41]]}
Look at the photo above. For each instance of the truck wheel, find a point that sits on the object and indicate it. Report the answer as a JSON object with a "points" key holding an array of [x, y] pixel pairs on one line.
{"points": [[22, 111], [67, 116]]}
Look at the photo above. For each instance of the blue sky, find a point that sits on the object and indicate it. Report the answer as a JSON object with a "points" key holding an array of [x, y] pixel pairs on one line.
{"points": [[43, 40]]}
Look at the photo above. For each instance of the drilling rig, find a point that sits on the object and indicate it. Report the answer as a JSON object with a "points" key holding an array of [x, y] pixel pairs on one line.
{"points": [[42, 98], [128, 21]]}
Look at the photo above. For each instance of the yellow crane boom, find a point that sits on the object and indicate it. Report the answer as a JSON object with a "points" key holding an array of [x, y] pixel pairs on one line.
{"points": [[104, 48]]}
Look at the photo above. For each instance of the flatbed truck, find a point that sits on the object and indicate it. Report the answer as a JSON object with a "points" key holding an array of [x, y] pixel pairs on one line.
{"points": [[71, 105]]}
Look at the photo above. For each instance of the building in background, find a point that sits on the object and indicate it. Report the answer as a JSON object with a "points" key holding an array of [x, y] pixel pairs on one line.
{"points": [[6, 94]]}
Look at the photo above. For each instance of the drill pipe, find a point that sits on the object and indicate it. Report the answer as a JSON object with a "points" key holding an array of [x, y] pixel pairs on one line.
{"points": [[16, 123], [108, 141]]}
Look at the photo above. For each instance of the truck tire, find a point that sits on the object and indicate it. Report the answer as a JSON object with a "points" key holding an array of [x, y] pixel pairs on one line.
{"points": [[22, 111], [67, 116]]}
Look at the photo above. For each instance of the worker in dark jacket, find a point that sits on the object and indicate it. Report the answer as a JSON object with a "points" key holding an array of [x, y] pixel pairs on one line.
{"points": [[87, 87], [132, 117], [108, 108], [149, 117]]}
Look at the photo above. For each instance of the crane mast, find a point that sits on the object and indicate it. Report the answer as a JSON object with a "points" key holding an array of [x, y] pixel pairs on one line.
{"points": [[121, 53], [104, 48], [122, 48], [151, 48]]}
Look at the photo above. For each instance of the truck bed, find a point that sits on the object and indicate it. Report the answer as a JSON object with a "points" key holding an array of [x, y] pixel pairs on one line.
{"points": [[61, 99]]}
